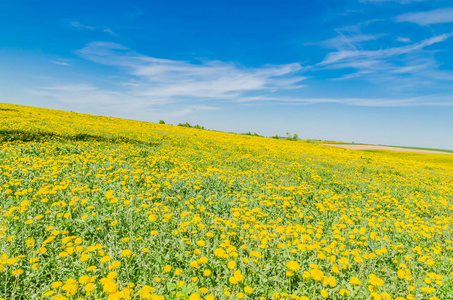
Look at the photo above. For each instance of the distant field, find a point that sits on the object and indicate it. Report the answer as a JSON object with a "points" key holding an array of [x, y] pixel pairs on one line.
{"points": [[103, 208], [386, 148], [429, 149], [344, 143]]}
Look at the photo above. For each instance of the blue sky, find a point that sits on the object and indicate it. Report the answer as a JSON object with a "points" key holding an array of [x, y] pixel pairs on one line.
{"points": [[374, 71]]}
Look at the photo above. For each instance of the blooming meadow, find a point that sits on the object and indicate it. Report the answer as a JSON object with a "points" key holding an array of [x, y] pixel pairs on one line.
{"points": [[103, 208]]}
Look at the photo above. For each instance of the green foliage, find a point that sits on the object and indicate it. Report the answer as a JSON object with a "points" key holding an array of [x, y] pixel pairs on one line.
{"points": [[293, 137], [190, 126], [253, 134]]}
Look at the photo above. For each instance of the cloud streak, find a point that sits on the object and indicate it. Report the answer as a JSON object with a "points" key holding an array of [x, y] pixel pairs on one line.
{"points": [[373, 102], [172, 79], [81, 26], [437, 16], [345, 56]]}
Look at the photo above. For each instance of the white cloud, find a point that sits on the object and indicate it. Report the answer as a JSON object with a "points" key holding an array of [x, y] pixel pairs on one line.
{"points": [[61, 63], [154, 88], [351, 56], [81, 26], [347, 41], [403, 39], [377, 102], [437, 16], [170, 79], [109, 31], [70, 87], [404, 69]]}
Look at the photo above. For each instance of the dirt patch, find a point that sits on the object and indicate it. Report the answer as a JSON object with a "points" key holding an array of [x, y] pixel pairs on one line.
{"points": [[374, 147]]}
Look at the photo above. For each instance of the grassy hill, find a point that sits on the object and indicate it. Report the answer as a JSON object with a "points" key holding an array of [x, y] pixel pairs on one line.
{"points": [[103, 208]]}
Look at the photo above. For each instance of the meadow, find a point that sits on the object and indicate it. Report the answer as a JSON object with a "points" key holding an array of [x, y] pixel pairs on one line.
{"points": [[102, 208]]}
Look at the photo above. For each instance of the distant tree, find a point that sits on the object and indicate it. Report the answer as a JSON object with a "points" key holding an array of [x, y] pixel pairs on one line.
{"points": [[190, 126], [161, 122], [293, 137]]}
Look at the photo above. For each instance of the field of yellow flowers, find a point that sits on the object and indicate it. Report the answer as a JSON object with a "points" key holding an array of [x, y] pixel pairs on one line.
{"points": [[102, 208]]}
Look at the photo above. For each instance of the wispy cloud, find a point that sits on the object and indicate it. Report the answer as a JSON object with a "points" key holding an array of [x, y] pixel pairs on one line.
{"points": [[109, 31], [61, 63], [76, 24], [106, 30], [351, 56], [172, 88], [403, 39], [347, 41], [156, 77], [88, 98], [437, 16], [400, 68], [374, 102]]}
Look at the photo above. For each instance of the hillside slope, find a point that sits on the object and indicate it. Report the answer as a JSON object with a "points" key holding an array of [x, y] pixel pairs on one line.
{"points": [[98, 207]]}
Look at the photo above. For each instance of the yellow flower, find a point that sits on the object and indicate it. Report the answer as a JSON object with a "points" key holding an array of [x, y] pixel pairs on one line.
{"points": [[70, 289], [207, 273], [386, 296], [167, 268], [293, 265], [17, 272], [194, 296], [317, 274], [110, 286], [248, 290], [344, 292], [194, 264], [84, 279], [126, 253], [240, 295], [231, 264], [355, 281], [336, 269], [114, 265], [324, 294], [233, 280], [49, 293], [238, 276], [91, 268], [105, 259], [56, 285], [256, 254], [375, 281]]}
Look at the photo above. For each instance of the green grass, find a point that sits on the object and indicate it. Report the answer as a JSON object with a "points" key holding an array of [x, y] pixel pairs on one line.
{"points": [[421, 148]]}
